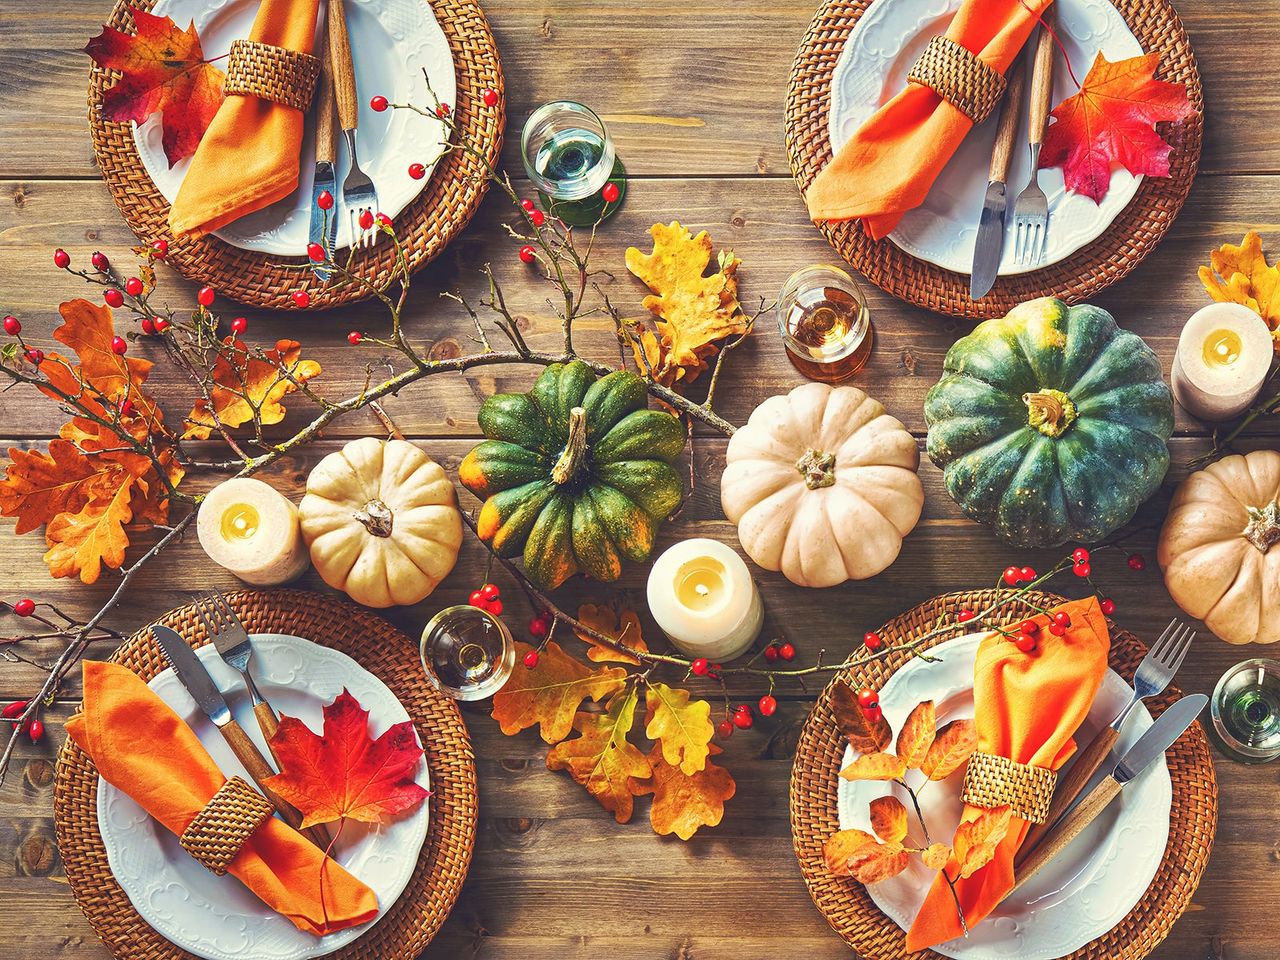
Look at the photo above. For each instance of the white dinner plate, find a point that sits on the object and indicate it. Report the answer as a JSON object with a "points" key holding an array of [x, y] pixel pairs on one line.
{"points": [[217, 917], [873, 67], [1080, 894], [392, 42]]}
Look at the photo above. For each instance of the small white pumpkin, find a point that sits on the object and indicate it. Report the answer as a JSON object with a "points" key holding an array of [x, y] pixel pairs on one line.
{"points": [[822, 485], [382, 522]]}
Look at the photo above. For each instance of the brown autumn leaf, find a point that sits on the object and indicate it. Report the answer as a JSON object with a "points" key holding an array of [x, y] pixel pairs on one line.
{"points": [[681, 727], [950, 750], [936, 856], [550, 693], [875, 766], [623, 626], [603, 760], [863, 735], [81, 542], [854, 853], [243, 381], [916, 735], [976, 840], [889, 819], [684, 802], [39, 486], [1240, 274]]}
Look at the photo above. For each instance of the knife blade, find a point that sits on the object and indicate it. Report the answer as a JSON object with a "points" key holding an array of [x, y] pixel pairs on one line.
{"points": [[989, 246], [324, 223], [1160, 736]]}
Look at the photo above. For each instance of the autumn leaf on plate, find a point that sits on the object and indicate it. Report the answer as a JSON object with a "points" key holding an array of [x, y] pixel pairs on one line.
{"points": [[603, 760], [242, 381], [550, 693], [888, 819], [950, 750], [851, 720], [682, 727], [1112, 120], [916, 736], [684, 802], [976, 840], [875, 766], [623, 626], [936, 856], [854, 853], [345, 773], [1241, 275], [162, 70]]}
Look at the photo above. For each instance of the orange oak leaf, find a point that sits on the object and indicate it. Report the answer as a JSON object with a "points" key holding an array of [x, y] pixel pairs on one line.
{"points": [[681, 727], [88, 329], [39, 486], [916, 736], [603, 760], [162, 70], [622, 626], [889, 819], [344, 773], [1112, 120], [951, 749], [549, 694], [683, 802], [1241, 274], [243, 382], [875, 766], [81, 542], [851, 720], [854, 853], [936, 856], [976, 840]]}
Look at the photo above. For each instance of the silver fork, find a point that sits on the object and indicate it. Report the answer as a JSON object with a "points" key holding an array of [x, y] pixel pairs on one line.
{"points": [[359, 197], [1031, 208]]}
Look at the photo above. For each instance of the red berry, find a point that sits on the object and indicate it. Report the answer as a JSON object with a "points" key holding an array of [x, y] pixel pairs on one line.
{"points": [[1025, 643], [1137, 561], [1011, 576], [443, 111], [417, 171], [1080, 555], [133, 287], [126, 407], [239, 325], [148, 326], [1029, 627], [610, 193], [873, 714], [1108, 606], [868, 698], [538, 627], [1057, 629], [324, 200], [118, 345], [771, 652], [538, 218], [1082, 569], [490, 96], [61, 259], [14, 709], [161, 324], [1062, 619], [205, 296], [787, 651], [490, 591], [301, 299], [36, 730], [699, 667], [725, 729], [113, 297], [531, 659], [35, 356], [872, 641], [379, 103], [528, 254], [12, 326], [1027, 573], [477, 599], [383, 220], [965, 614], [527, 204], [100, 261], [366, 219], [24, 607], [315, 252], [768, 706], [354, 337], [742, 718], [494, 607], [161, 248]]}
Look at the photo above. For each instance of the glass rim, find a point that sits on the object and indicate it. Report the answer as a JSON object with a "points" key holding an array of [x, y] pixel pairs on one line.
{"points": [[551, 106], [482, 690], [1215, 712]]}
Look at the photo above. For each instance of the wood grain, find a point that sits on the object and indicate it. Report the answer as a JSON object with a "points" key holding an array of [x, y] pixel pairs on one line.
{"points": [[1010, 116]]}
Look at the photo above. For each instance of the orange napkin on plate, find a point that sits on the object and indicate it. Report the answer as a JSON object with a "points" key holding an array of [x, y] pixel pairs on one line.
{"points": [[893, 159], [248, 158], [1026, 708], [145, 749]]}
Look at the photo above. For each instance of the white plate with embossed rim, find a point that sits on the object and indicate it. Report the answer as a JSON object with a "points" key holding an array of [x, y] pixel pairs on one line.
{"points": [[1083, 892], [873, 67], [217, 917], [392, 42]]}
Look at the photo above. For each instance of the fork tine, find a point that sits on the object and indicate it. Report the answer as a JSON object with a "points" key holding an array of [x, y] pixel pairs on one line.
{"points": [[1044, 238], [1158, 648], [224, 608], [1174, 658], [209, 627]]}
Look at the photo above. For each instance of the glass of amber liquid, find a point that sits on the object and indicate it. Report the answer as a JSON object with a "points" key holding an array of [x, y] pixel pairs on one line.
{"points": [[825, 324]]}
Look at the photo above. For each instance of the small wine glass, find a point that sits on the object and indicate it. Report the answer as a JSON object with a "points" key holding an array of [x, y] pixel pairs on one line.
{"points": [[1246, 711], [824, 323], [569, 156], [467, 652]]}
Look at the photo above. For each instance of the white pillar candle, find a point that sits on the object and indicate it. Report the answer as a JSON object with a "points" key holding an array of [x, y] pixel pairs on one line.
{"points": [[704, 599], [253, 531], [1224, 353]]}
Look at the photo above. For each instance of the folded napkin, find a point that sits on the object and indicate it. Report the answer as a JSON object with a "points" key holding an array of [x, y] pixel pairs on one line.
{"points": [[893, 159], [1026, 708], [142, 747], [248, 158]]}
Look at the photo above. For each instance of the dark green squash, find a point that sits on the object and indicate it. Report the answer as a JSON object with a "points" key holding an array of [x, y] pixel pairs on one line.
{"points": [[576, 474], [1050, 423]]}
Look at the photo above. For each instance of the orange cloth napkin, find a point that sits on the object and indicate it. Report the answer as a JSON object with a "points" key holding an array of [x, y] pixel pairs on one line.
{"points": [[248, 158], [1027, 708], [893, 159], [142, 747]]}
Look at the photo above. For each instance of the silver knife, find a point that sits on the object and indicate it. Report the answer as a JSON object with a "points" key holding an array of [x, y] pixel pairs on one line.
{"points": [[990, 244], [324, 223], [1160, 736]]}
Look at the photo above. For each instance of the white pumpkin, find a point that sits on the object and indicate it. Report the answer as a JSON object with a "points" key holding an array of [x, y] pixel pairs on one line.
{"points": [[1220, 547], [822, 485], [382, 522]]}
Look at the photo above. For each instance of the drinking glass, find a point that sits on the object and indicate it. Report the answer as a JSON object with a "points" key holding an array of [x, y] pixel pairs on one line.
{"points": [[1246, 711], [824, 323], [467, 652], [569, 157]]}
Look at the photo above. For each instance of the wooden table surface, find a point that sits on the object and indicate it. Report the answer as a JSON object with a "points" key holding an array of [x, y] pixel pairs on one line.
{"points": [[693, 92]]}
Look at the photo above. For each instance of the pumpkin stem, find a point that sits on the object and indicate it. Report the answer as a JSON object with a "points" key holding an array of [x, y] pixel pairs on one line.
{"points": [[376, 517], [1049, 411], [818, 468], [1263, 530], [567, 466]]}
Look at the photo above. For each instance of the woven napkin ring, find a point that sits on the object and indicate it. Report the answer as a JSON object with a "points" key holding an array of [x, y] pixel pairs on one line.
{"points": [[959, 77], [272, 73], [230, 818], [993, 781]]}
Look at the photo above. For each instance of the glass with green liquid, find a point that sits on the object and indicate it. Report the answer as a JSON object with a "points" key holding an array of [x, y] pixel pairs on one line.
{"points": [[1246, 711], [570, 158]]}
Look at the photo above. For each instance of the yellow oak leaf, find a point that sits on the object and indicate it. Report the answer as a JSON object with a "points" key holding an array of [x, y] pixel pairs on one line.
{"points": [[603, 760], [682, 727], [950, 750], [622, 626], [851, 720], [875, 766], [683, 802], [549, 694], [243, 382], [1240, 274], [854, 853], [976, 840], [936, 856], [916, 736], [81, 542], [889, 819]]}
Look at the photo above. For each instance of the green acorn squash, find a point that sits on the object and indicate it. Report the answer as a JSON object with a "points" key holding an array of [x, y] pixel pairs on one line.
{"points": [[1050, 423], [576, 474]]}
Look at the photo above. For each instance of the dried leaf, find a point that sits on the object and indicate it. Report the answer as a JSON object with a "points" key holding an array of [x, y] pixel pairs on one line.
{"points": [[863, 735], [88, 329], [889, 819], [854, 853], [345, 773], [875, 766], [623, 626], [976, 840], [951, 749], [550, 693], [603, 760], [936, 856], [39, 486], [684, 802], [242, 382], [682, 728], [81, 542], [1241, 275], [916, 736], [841, 846]]}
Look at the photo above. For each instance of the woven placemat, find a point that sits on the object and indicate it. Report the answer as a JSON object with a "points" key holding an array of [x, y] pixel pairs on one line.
{"points": [[445, 206], [845, 902], [408, 926], [1129, 238]]}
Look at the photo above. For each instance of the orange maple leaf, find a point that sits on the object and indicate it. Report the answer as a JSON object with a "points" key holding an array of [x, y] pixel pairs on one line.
{"points": [[602, 759], [623, 627], [345, 773], [243, 382], [683, 802], [851, 720], [916, 736], [550, 693]]}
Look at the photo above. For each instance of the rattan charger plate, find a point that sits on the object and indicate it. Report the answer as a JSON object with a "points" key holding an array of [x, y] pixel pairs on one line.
{"points": [[409, 925], [845, 903], [1130, 237], [425, 227]]}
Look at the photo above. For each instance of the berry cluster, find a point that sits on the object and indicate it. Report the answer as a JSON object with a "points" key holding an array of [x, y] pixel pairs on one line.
{"points": [[780, 651], [540, 630], [1016, 575], [33, 727], [488, 597]]}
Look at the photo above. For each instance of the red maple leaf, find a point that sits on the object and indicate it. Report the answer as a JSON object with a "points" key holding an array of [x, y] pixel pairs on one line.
{"points": [[1112, 120], [162, 69], [346, 773]]}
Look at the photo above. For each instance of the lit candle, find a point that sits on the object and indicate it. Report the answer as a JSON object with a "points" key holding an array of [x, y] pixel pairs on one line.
{"points": [[253, 531], [1223, 357], [704, 599]]}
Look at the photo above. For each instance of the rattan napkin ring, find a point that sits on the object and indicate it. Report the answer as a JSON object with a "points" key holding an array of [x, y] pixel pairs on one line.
{"points": [[272, 73], [959, 77], [993, 781], [230, 818]]}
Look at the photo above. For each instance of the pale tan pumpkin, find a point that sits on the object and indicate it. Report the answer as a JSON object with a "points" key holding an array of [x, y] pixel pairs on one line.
{"points": [[382, 522], [1219, 551], [822, 485]]}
